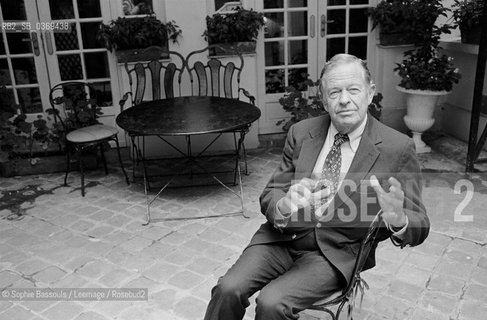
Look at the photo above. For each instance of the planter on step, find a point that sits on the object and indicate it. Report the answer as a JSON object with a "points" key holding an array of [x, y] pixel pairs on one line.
{"points": [[419, 118]]}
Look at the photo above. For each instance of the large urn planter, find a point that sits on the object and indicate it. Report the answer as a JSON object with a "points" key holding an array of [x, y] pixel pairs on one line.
{"points": [[419, 118]]}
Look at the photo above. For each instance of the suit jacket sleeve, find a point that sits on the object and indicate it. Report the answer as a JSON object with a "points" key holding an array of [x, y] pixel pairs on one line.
{"points": [[409, 175], [279, 183]]}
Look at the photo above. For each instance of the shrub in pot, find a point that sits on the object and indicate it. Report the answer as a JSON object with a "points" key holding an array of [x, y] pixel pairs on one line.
{"points": [[237, 30], [467, 15], [405, 21], [128, 35], [426, 74]]}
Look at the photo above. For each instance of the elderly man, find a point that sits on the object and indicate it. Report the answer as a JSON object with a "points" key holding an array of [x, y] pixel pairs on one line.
{"points": [[337, 172]]}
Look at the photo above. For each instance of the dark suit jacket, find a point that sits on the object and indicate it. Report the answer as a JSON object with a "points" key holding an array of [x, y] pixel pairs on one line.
{"points": [[382, 151]]}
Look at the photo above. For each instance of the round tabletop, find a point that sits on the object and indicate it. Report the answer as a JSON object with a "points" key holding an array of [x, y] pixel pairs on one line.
{"points": [[187, 116]]}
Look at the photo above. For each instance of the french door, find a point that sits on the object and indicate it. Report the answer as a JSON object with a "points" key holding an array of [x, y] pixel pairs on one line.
{"points": [[39, 54], [299, 37]]}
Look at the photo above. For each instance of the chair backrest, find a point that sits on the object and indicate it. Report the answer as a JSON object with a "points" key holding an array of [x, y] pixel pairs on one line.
{"points": [[74, 105], [163, 74], [212, 77]]}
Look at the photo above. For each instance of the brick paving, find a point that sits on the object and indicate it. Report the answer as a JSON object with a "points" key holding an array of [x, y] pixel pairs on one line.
{"points": [[66, 241]]}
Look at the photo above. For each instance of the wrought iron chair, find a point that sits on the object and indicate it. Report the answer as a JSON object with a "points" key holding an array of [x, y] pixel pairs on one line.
{"points": [[214, 78], [161, 76], [356, 284], [75, 110]]}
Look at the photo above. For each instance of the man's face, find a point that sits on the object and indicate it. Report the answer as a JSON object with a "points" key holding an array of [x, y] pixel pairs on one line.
{"points": [[347, 95]]}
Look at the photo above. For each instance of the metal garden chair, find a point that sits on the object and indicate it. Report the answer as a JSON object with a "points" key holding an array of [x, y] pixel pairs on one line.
{"points": [[153, 80], [75, 109], [212, 77], [356, 284]]}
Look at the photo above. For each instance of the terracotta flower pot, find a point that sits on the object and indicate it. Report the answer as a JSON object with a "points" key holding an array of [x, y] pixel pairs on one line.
{"points": [[419, 118]]}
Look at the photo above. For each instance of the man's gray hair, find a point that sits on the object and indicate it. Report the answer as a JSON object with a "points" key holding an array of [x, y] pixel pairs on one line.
{"points": [[343, 58]]}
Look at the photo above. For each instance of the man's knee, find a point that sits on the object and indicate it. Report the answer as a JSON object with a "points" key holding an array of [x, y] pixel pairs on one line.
{"points": [[229, 286], [271, 302]]}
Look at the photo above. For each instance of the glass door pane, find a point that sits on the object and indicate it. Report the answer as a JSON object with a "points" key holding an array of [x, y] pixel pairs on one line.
{"points": [[290, 51], [286, 45], [22, 69], [344, 26], [76, 54]]}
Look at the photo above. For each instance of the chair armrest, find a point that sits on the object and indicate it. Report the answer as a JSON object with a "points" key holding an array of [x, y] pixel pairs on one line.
{"points": [[248, 95], [124, 99]]}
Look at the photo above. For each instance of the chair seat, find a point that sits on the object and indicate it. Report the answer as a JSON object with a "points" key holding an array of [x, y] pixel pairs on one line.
{"points": [[91, 134]]}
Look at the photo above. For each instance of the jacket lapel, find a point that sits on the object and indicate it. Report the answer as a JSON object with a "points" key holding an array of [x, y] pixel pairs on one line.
{"points": [[311, 148]]}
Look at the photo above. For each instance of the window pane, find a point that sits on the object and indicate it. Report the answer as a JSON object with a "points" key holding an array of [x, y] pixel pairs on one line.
{"points": [[70, 67], [7, 99], [274, 25], [359, 1], [67, 41], [2, 46], [358, 20], [274, 81], [297, 77], [132, 7], [358, 47], [297, 3], [4, 73], [96, 65], [61, 9], [103, 93], [24, 70], [334, 46], [336, 2], [298, 51], [298, 23], [13, 10], [272, 4], [30, 100], [274, 53], [89, 8], [19, 42], [336, 21], [88, 30]]}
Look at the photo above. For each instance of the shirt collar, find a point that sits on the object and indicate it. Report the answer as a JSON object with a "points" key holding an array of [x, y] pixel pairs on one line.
{"points": [[354, 136]]}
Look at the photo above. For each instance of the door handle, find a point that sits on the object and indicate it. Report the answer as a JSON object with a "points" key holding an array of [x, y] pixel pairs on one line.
{"points": [[324, 22], [35, 42], [49, 42], [312, 28]]}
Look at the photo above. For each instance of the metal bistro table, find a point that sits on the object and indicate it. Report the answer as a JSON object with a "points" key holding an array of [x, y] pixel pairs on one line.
{"points": [[189, 116]]}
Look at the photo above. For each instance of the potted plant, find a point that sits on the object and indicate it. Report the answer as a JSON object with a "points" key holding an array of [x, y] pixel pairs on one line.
{"points": [[127, 36], [236, 31], [25, 145], [426, 74], [467, 15], [404, 22], [33, 144]]}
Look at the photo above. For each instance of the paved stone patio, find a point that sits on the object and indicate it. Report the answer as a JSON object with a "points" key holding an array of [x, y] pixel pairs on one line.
{"points": [[65, 241]]}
